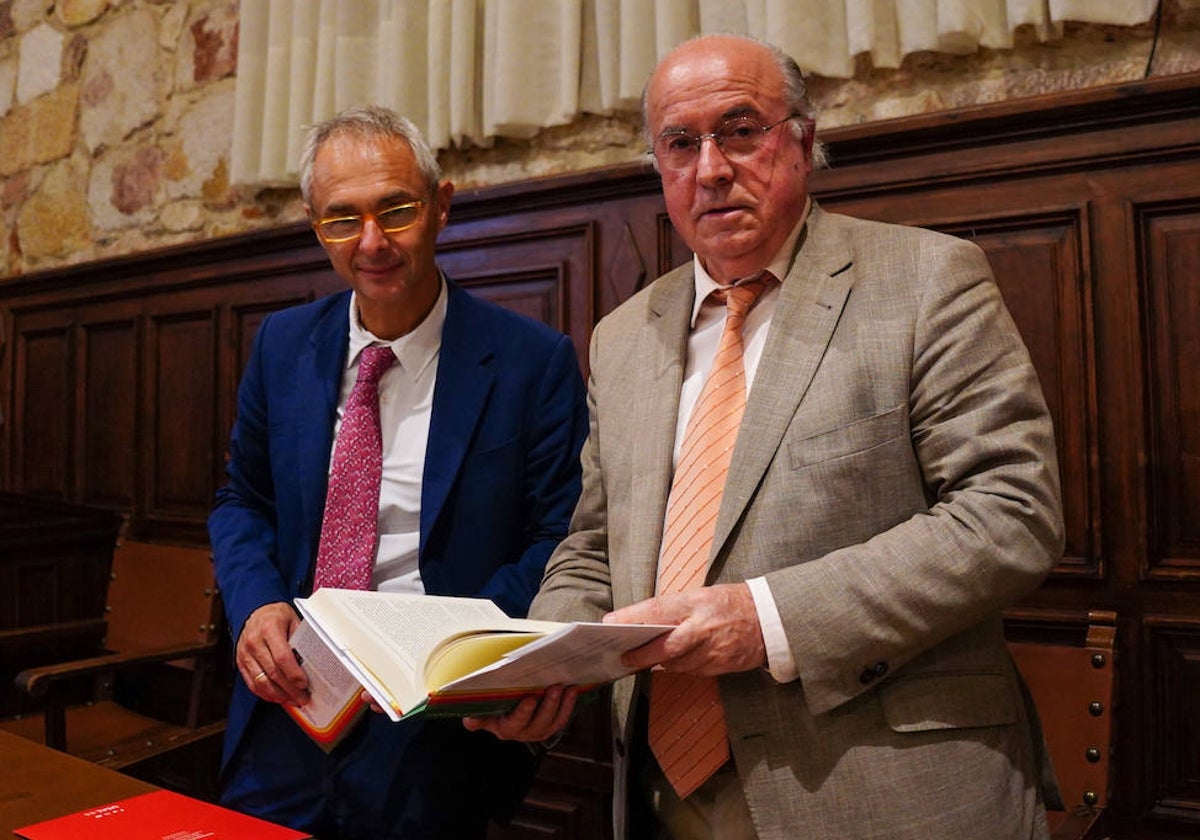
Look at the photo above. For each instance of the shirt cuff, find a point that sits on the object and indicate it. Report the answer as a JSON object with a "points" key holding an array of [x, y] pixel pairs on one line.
{"points": [[780, 662]]}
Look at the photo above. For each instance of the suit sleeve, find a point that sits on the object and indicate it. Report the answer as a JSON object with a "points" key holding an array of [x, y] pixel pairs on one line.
{"points": [[555, 423], [991, 529], [243, 524]]}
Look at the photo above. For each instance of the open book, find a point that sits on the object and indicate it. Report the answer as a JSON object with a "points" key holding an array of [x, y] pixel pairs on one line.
{"points": [[435, 655]]}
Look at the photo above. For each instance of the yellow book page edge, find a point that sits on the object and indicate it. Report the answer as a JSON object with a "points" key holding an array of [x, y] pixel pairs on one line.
{"points": [[470, 652]]}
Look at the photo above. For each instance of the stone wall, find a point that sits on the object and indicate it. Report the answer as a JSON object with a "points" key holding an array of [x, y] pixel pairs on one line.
{"points": [[116, 118]]}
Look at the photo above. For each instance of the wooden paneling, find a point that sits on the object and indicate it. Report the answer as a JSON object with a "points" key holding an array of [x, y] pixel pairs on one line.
{"points": [[109, 381], [120, 387], [44, 410], [181, 356], [1171, 292], [118, 381], [1172, 727]]}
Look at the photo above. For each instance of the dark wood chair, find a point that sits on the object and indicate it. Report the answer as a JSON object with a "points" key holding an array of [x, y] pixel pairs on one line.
{"points": [[149, 691], [55, 560], [1073, 686]]}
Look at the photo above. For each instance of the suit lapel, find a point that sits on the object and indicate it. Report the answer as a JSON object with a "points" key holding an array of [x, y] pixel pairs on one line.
{"points": [[654, 418], [810, 305], [319, 371], [464, 380]]}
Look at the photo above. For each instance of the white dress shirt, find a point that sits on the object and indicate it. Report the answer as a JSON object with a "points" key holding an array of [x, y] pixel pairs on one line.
{"points": [[405, 407], [708, 322]]}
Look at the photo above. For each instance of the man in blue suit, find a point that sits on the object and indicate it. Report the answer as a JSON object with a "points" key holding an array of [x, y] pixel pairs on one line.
{"points": [[482, 418]]}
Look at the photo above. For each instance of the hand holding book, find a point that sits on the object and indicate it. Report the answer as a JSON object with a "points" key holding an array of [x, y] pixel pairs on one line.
{"points": [[535, 719]]}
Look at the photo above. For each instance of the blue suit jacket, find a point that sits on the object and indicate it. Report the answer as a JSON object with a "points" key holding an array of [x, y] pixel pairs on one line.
{"points": [[501, 471]]}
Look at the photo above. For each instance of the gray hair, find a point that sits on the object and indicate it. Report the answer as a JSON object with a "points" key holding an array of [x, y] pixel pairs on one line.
{"points": [[795, 95], [365, 121]]}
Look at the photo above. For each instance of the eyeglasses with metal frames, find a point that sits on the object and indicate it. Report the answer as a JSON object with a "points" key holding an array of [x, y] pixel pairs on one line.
{"points": [[391, 220], [737, 138]]}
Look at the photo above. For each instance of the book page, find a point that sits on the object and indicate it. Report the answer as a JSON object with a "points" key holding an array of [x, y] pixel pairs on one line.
{"points": [[577, 654], [464, 654], [410, 626], [334, 692]]}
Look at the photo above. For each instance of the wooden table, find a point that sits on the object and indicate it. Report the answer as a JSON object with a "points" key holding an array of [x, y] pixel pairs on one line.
{"points": [[38, 783]]}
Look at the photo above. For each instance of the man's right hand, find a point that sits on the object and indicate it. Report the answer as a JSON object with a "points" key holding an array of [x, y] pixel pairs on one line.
{"points": [[265, 659]]}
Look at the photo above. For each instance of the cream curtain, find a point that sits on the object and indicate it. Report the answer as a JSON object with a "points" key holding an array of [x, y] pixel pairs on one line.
{"points": [[472, 70]]}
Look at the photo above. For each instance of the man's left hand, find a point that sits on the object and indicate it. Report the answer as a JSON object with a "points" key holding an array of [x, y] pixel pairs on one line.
{"points": [[533, 719], [718, 631]]}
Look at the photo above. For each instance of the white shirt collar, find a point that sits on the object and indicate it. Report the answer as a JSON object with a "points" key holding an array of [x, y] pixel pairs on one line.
{"points": [[415, 349], [779, 266]]}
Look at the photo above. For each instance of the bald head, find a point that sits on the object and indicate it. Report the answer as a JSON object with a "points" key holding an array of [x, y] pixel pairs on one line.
{"points": [[784, 71], [734, 148]]}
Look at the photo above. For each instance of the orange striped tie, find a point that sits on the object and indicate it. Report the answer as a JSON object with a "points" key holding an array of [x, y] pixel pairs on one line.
{"points": [[687, 723]]}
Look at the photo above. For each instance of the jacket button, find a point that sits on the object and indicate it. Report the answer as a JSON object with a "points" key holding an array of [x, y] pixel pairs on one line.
{"points": [[872, 672]]}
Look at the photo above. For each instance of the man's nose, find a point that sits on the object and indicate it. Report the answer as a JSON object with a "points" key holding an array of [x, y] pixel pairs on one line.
{"points": [[712, 166], [372, 238]]}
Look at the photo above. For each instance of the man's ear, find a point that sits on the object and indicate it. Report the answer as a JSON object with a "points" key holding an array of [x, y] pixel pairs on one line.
{"points": [[807, 140], [441, 196]]}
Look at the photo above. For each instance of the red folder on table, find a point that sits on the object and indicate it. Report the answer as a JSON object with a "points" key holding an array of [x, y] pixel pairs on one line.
{"points": [[161, 815]]}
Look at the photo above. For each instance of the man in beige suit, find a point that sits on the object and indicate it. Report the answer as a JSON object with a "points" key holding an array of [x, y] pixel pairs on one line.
{"points": [[893, 486]]}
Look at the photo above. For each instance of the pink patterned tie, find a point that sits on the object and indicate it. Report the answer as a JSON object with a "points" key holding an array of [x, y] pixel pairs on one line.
{"points": [[349, 531], [687, 722]]}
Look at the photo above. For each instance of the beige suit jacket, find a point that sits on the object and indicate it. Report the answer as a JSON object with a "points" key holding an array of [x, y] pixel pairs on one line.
{"points": [[895, 482]]}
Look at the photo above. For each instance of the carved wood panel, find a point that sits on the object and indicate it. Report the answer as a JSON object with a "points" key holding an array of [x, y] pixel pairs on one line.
{"points": [[1171, 295], [1172, 725], [180, 372], [44, 404], [108, 460]]}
